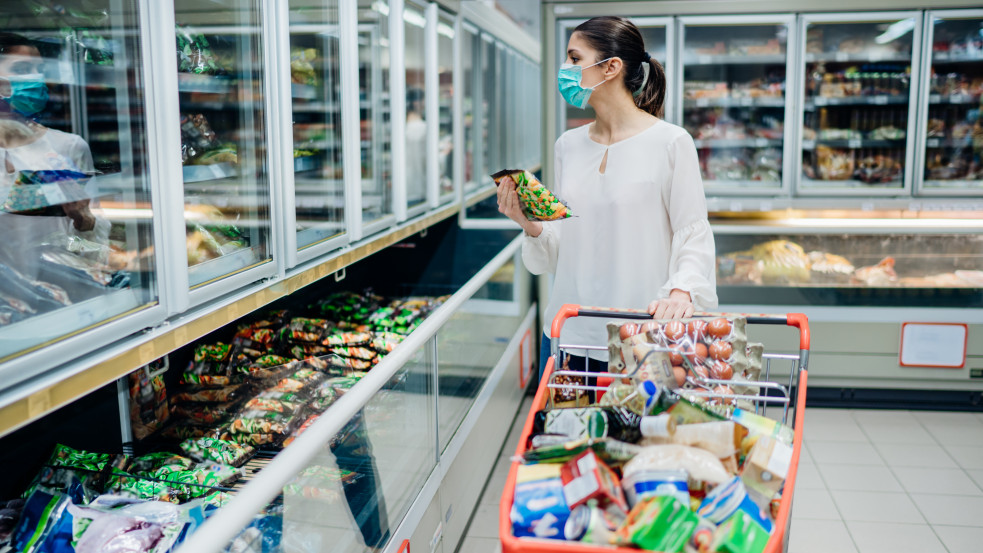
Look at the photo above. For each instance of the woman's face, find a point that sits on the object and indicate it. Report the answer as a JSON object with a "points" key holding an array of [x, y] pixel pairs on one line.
{"points": [[18, 60]]}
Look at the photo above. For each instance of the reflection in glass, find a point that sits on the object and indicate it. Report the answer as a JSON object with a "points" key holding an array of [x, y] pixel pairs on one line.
{"points": [[226, 186], [316, 90], [857, 87], [655, 42], [470, 48], [954, 141], [360, 487], [373, 98], [416, 101], [75, 212], [489, 114], [445, 101], [734, 101]]}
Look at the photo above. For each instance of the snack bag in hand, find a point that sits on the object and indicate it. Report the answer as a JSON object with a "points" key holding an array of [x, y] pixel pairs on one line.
{"points": [[538, 203]]}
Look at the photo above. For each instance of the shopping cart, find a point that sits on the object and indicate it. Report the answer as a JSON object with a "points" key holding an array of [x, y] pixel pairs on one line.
{"points": [[768, 393]]}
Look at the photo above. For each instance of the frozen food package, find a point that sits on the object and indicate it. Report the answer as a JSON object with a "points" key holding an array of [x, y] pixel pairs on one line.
{"points": [[538, 203], [214, 449], [658, 523], [148, 398]]}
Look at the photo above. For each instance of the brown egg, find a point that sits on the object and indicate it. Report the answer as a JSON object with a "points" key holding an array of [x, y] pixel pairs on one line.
{"points": [[701, 371], [721, 350], [721, 370], [719, 328], [675, 356], [628, 330], [680, 374], [697, 353], [651, 326], [674, 330], [727, 391], [697, 328]]}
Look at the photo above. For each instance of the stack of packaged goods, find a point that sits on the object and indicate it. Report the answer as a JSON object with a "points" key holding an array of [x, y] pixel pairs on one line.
{"points": [[670, 458], [257, 391]]}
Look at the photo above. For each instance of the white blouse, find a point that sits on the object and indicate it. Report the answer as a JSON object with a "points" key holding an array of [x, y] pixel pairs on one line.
{"points": [[639, 229]]}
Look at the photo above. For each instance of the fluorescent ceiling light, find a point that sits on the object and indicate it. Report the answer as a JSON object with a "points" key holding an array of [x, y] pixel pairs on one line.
{"points": [[414, 18]]}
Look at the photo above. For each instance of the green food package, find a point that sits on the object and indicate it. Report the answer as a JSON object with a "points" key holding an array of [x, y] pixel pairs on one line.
{"points": [[538, 203], [658, 523], [740, 534]]}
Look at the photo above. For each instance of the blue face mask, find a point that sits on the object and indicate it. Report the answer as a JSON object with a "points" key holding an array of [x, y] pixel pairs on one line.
{"points": [[28, 94], [568, 81]]}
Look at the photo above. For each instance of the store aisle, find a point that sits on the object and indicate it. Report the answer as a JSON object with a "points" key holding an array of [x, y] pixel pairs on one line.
{"points": [[869, 482]]}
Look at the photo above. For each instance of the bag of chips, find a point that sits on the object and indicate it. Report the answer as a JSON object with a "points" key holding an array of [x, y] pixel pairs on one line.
{"points": [[538, 203]]}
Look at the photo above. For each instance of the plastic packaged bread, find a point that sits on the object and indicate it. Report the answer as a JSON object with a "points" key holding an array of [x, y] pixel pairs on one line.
{"points": [[538, 203]]}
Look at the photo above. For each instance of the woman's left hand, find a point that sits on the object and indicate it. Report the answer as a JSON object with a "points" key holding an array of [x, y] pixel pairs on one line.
{"points": [[678, 305]]}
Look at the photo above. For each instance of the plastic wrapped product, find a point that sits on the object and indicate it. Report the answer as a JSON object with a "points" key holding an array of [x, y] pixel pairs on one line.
{"points": [[560, 449], [765, 469], [586, 477], [702, 466], [539, 508], [386, 342], [269, 401], [740, 533], [203, 413], [722, 438], [42, 526], [151, 462], [590, 422], [347, 339], [300, 429], [258, 335], [148, 398], [659, 523], [209, 395], [362, 353], [220, 451], [346, 363], [622, 394], [92, 467], [538, 203], [731, 497]]}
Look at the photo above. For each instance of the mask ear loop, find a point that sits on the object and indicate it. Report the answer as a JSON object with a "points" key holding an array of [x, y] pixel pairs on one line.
{"points": [[646, 69]]}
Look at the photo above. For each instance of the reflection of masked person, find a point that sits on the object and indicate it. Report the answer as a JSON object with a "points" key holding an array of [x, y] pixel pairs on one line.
{"points": [[416, 147], [41, 169]]}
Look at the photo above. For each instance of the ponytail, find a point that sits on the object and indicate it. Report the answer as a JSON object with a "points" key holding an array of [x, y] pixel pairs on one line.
{"points": [[652, 96], [617, 37]]}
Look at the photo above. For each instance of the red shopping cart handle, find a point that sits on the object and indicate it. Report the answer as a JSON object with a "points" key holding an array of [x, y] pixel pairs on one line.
{"points": [[569, 310]]}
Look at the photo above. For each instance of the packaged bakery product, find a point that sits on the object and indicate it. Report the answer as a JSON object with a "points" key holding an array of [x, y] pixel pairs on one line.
{"points": [[278, 425], [277, 402], [386, 342], [362, 353], [722, 438], [214, 449], [538, 203], [149, 408]]}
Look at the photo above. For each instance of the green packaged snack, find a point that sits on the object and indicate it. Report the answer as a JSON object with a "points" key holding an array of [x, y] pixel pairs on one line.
{"points": [[270, 360], [142, 488], [302, 351], [262, 422], [340, 362], [220, 451], [740, 534], [560, 450], [264, 336], [260, 403], [386, 342], [150, 462], [538, 203], [203, 413], [658, 523], [249, 439], [343, 339], [208, 395], [204, 380], [212, 352], [365, 354]]}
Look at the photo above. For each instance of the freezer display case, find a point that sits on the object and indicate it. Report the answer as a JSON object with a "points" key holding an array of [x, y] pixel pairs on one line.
{"points": [[470, 80], [850, 258], [735, 74], [417, 174], [856, 102], [315, 89], [445, 107], [75, 202], [375, 123], [952, 148], [657, 33], [223, 147]]}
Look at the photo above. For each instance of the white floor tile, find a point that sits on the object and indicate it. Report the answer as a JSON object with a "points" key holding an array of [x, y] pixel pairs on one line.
{"points": [[844, 453], [485, 521], [814, 504], [496, 483], [472, 544], [908, 433], [882, 416], [889, 537], [832, 416], [805, 455], [937, 480], [946, 417], [960, 538], [966, 433], [859, 478], [977, 476], [925, 455], [876, 507], [808, 478], [951, 510], [968, 457], [841, 431], [819, 536]]}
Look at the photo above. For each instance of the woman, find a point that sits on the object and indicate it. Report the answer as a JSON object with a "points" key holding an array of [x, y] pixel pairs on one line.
{"points": [[641, 235]]}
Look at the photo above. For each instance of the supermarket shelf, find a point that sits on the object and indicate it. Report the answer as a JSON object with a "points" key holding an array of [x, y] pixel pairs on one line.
{"points": [[761, 102], [730, 184], [862, 57], [720, 207], [737, 142], [966, 142], [853, 143], [306, 163], [808, 183], [201, 173], [733, 59], [19, 409], [303, 91], [955, 183], [879, 100], [955, 58], [209, 84], [954, 98]]}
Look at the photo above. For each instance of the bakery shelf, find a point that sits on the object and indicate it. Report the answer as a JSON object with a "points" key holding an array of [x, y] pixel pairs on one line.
{"points": [[737, 142], [878, 100], [854, 143], [216, 171], [733, 59], [761, 102], [860, 57]]}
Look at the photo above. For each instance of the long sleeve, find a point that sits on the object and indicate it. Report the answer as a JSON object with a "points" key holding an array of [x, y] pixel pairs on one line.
{"points": [[691, 262], [540, 254]]}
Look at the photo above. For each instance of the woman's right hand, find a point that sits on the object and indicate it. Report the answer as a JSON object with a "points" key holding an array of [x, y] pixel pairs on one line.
{"points": [[508, 205]]}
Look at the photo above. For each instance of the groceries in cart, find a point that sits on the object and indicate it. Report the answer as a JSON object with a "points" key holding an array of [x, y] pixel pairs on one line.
{"points": [[672, 455], [538, 202]]}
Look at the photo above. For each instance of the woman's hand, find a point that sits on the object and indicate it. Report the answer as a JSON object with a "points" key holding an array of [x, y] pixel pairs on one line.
{"points": [[508, 205], [678, 305]]}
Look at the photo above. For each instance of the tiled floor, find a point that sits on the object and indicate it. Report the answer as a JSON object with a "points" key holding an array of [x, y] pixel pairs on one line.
{"points": [[869, 482]]}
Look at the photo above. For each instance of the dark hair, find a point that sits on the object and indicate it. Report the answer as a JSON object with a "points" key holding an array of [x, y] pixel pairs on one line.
{"points": [[617, 37], [8, 41]]}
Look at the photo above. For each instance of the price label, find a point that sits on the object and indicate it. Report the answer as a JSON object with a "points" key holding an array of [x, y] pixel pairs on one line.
{"points": [[854, 143], [54, 194], [842, 56], [879, 100], [702, 102]]}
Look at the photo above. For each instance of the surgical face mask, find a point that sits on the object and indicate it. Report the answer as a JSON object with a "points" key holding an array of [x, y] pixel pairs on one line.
{"points": [[28, 93], [568, 81]]}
